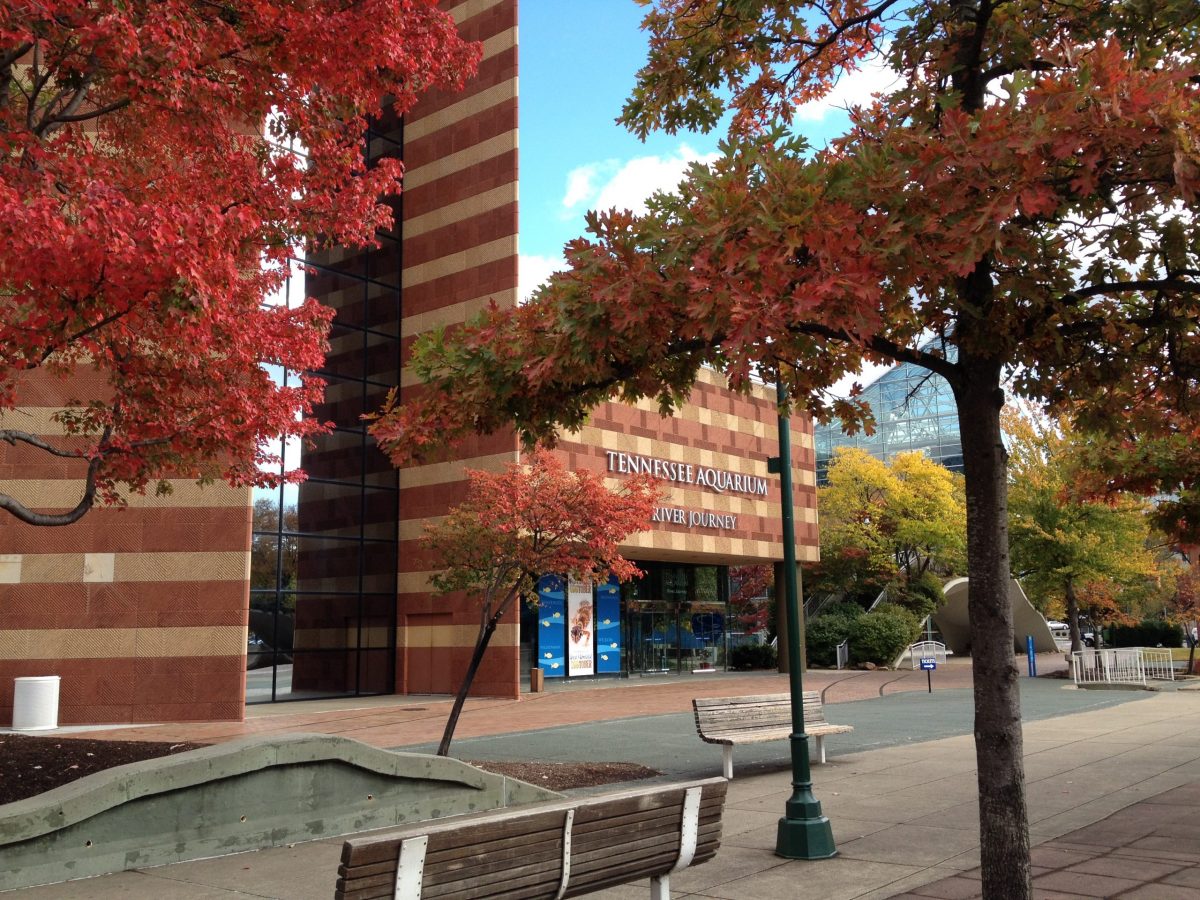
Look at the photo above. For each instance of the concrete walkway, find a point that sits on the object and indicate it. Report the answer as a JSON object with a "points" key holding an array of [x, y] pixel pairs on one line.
{"points": [[1112, 787]]}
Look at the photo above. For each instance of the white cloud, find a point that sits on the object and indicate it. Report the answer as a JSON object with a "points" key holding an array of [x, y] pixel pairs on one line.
{"points": [[580, 183], [853, 89], [864, 376], [628, 183], [532, 270]]}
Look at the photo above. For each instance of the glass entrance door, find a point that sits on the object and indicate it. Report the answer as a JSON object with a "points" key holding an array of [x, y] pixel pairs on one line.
{"points": [[650, 650]]}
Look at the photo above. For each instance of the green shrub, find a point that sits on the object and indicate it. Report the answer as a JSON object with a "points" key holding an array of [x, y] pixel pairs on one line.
{"points": [[822, 637], [753, 656], [880, 636], [843, 609], [922, 596], [864, 593], [1146, 633]]}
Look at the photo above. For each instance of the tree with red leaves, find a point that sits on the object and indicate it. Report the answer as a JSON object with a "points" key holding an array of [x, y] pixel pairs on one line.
{"points": [[160, 161], [525, 522], [1023, 194]]}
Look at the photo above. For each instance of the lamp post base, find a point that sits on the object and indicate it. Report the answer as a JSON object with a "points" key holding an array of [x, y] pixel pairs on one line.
{"points": [[805, 839]]}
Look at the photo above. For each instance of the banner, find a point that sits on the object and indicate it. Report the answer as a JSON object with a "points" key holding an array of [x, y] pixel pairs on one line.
{"points": [[581, 624], [608, 627], [551, 621]]}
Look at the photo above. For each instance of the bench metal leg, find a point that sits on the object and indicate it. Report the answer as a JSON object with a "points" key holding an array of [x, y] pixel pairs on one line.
{"points": [[660, 888], [820, 739], [727, 761]]}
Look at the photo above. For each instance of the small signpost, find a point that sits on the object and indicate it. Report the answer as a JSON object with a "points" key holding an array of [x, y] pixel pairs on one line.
{"points": [[929, 663]]}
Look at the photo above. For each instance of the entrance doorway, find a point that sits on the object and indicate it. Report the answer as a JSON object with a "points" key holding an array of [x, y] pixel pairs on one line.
{"points": [[650, 627]]}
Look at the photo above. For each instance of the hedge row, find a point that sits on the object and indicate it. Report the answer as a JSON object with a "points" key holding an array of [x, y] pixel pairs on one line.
{"points": [[753, 656], [878, 637], [1147, 633]]}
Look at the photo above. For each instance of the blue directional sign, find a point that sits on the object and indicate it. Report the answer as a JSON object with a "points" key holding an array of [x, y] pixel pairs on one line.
{"points": [[928, 662]]}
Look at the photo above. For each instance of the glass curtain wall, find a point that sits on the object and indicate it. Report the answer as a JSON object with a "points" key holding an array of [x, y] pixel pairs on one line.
{"points": [[914, 410], [324, 552]]}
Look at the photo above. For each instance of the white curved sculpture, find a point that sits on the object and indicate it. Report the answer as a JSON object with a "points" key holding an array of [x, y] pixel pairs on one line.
{"points": [[954, 623]]}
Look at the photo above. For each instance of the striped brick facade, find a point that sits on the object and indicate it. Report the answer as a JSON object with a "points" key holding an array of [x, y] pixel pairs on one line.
{"points": [[459, 254], [140, 610], [717, 431], [143, 611]]}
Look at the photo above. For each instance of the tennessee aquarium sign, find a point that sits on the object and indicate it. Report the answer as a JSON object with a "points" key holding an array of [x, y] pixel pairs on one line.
{"points": [[717, 480]]}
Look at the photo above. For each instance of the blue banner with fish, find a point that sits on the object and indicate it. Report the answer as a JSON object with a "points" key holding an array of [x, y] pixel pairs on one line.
{"points": [[608, 627], [552, 621]]}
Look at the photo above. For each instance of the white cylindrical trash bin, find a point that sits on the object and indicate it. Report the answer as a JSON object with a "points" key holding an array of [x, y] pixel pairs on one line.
{"points": [[35, 703]]}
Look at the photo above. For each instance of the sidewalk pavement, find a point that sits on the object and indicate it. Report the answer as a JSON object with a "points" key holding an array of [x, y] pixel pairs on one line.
{"points": [[402, 721], [1113, 794]]}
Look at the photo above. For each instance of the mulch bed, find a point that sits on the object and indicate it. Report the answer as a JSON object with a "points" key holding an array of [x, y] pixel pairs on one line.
{"points": [[565, 776], [31, 765]]}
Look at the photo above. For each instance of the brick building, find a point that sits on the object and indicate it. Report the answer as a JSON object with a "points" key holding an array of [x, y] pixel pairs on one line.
{"points": [[186, 607]]}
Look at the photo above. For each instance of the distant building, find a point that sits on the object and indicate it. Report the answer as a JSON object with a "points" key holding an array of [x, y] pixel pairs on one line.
{"points": [[914, 410]]}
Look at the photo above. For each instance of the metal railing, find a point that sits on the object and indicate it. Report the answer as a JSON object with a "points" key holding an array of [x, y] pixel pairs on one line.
{"points": [[927, 649], [1123, 665], [1159, 663]]}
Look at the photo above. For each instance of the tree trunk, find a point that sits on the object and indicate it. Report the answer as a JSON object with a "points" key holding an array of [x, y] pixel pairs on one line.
{"points": [[1073, 615], [481, 643], [1003, 818], [1191, 642], [486, 629]]}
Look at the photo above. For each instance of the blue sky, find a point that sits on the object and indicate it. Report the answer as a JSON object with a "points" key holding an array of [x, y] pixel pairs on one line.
{"points": [[578, 60]]}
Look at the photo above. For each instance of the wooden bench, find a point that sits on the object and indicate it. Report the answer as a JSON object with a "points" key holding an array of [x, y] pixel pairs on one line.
{"points": [[564, 848], [751, 720]]}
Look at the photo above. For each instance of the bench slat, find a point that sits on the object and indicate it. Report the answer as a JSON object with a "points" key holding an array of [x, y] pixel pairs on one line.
{"points": [[730, 721], [485, 865], [517, 853], [370, 849]]}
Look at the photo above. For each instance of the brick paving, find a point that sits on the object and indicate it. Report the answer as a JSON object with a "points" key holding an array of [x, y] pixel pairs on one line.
{"points": [[400, 721], [1113, 793], [1147, 851]]}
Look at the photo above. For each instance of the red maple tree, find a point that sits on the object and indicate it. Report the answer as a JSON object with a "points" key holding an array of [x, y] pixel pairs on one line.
{"points": [[1023, 194], [528, 521], [160, 161]]}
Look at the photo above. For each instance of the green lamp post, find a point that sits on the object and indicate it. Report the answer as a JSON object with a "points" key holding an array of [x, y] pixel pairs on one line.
{"points": [[804, 833]]}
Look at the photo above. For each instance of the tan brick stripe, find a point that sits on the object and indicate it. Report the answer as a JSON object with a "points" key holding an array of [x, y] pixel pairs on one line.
{"points": [[37, 420], [464, 233], [453, 163], [453, 213], [133, 643], [412, 529], [501, 248], [468, 9], [499, 65], [451, 635], [464, 109], [446, 472], [499, 123], [457, 312], [57, 568]]}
